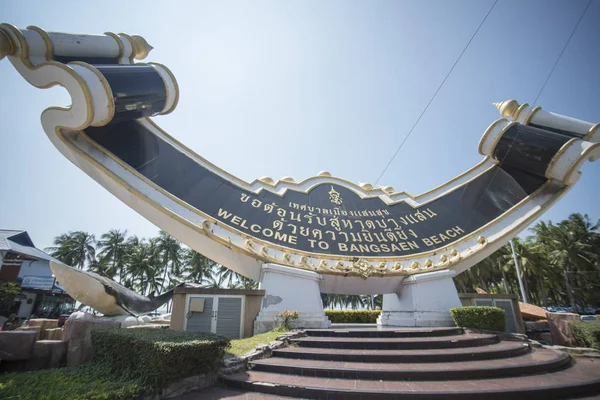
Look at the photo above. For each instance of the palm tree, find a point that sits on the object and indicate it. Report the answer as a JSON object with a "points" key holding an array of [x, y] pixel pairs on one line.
{"points": [[214, 280], [74, 248], [227, 275], [245, 283], [571, 246], [534, 264], [144, 264], [113, 249], [197, 268], [170, 250], [99, 266]]}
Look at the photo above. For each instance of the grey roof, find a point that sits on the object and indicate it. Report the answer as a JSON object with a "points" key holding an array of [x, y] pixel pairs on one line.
{"points": [[6, 244], [4, 235]]}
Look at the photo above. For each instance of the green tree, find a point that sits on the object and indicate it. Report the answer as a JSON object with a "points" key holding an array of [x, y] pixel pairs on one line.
{"points": [[197, 268], [8, 292], [142, 264], [74, 248], [170, 250], [112, 248]]}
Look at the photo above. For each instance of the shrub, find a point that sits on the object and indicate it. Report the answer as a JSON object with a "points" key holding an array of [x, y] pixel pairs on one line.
{"points": [[157, 357], [352, 316], [85, 382], [587, 334], [8, 292], [488, 318], [283, 321]]}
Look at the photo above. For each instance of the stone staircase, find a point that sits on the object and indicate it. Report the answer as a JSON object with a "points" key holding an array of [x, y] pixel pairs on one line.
{"points": [[436, 363]]}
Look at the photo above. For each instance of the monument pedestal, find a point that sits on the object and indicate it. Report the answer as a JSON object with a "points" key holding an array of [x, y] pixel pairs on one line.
{"points": [[425, 300], [290, 289]]}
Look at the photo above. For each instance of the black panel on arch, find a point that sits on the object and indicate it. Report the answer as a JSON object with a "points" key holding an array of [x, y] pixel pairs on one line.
{"points": [[330, 218]]}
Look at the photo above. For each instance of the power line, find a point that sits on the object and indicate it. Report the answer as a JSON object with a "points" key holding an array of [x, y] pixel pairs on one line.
{"points": [[533, 105], [434, 95], [562, 52]]}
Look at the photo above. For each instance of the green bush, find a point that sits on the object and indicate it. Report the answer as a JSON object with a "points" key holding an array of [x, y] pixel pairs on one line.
{"points": [[352, 316], [8, 292], [587, 334], [157, 357], [488, 318], [85, 382], [127, 364]]}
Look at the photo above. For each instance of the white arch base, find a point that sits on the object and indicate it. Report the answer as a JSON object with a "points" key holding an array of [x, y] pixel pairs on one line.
{"points": [[424, 300], [290, 289]]}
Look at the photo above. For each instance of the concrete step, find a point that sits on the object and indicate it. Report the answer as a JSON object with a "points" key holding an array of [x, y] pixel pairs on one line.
{"points": [[384, 332], [581, 379], [541, 361], [397, 343], [487, 352]]}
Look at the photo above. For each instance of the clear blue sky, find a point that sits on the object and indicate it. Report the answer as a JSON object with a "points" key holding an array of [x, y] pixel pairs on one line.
{"points": [[292, 88]]}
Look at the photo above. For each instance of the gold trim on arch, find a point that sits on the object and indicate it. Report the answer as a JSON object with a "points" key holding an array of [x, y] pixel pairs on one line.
{"points": [[535, 212], [531, 114], [119, 43], [560, 152], [499, 137], [176, 101], [47, 39], [24, 54], [591, 132], [132, 43], [486, 133], [582, 158], [23, 47], [241, 234], [517, 113], [107, 89]]}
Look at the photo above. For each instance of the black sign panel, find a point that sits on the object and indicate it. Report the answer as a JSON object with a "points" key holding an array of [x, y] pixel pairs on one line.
{"points": [[329, 218]]}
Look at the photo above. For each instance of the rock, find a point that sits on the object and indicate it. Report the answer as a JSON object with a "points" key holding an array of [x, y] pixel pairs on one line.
{"points": [[48, 354], [559, 328], [154, 326], [17, 345], [81, 315], [529, 312], [276, 344], [77, 334], [161, 321], [55, 334], [537, 325], [36, 329], [125, 320], [44, 325]]}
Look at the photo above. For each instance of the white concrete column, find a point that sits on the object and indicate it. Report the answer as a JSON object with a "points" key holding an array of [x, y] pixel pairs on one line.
{"points": [[290, 289], [424, 300]]}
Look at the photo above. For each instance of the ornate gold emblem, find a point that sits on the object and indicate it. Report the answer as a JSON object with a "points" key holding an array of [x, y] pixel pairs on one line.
{"points": [[363, 267], [335, 197]]}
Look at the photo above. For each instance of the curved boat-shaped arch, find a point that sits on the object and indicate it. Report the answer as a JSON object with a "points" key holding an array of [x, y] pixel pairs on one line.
{"points": [[359, 238]]}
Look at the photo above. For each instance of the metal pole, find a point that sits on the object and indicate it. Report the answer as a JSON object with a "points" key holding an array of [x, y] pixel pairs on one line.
{"points": [[523, 294]]}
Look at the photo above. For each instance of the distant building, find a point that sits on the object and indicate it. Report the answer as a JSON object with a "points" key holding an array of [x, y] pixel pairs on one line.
{"points": [[29, 267]]}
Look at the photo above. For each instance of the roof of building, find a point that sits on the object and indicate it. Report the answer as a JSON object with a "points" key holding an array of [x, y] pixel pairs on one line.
{"points": [[20, 242]]}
